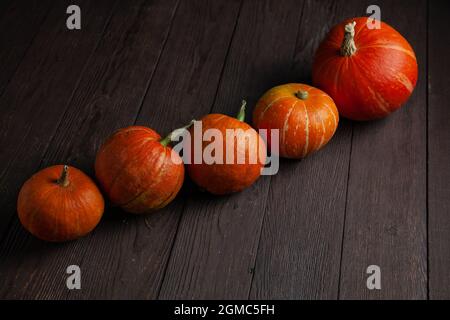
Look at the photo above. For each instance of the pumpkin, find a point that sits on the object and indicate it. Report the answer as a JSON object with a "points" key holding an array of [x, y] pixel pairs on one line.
{"points": [[369, 73], [59, 203], [306, 118], [138, 170], [245, 149]]}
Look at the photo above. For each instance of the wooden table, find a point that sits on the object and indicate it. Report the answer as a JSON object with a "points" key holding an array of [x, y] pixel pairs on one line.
{"points": [[378, 194]]}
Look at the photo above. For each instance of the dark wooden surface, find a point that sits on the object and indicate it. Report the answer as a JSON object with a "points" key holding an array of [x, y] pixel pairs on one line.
{"points": [[386, 214], [379, 193], [438, 153]]}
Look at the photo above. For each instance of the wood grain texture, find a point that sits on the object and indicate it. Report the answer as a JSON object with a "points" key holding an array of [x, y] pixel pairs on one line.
{"points": [[215, 249], [19, 23], [300, 247], [109, 96], [36, 98], [307, 233], [32, 106], [386, 206], [133, 250], [438, 151]]}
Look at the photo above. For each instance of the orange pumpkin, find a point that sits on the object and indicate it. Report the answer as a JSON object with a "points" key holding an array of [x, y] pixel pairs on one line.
{"points": [[306, 118], [138, 170], [369, 72], [223, 177], [59, 203]]}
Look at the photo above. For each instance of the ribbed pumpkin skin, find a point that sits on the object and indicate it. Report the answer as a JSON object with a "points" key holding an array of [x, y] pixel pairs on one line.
{"points": [[55, 213], [304, 126], [137, 172], [376, 80], [226, 178]]}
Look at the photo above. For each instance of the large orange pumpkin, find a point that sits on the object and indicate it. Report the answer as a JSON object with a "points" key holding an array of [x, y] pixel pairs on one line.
{"points": [[369, 73], [222, 176], [306, 118], [138, 170], [59, 203]]}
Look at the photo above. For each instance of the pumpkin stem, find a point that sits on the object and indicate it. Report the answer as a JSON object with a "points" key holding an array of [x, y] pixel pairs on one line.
{"points": [[175, 134], [241, 115], [348, 47], [63, 180], [303, 95]]}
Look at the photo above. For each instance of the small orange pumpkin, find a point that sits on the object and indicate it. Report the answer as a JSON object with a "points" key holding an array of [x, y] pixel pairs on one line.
{"points": [[306, 118], [136, 169], [60, 203], [234, 176]]}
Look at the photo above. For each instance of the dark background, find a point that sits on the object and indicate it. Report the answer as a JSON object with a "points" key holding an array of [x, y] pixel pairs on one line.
{"points": [[379, 193]]}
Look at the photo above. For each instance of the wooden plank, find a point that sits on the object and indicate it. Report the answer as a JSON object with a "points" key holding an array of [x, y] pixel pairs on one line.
{"points": [[43, 85], [109, 97], [19, 24], [300, 247], [132, 251], [214, 253], [386, 206], [32, 106], [438, 151], [215, 248]]}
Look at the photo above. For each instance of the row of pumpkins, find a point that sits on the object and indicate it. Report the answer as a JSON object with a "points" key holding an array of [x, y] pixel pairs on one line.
{"points": [[364, 73]]}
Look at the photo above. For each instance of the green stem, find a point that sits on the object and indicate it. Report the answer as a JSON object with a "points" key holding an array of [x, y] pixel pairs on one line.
{"points": [[303, 95], [241, 115], [173, 136], [63, 180]]}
